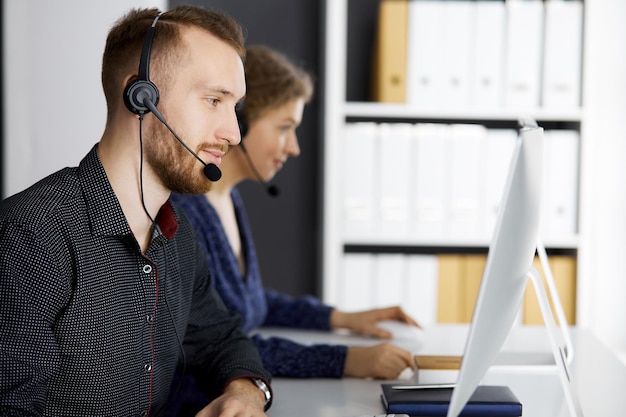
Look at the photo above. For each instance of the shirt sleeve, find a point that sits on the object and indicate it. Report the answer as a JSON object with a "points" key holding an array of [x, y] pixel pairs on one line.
{"points": [[283, 357], [305, 312], [216, 350], [30, 297]]}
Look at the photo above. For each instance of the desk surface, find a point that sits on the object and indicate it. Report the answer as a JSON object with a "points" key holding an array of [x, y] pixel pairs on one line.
{"points": [[599, 375]]}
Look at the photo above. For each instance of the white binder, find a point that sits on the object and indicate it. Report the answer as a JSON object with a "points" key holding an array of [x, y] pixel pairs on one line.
{"points": [[420, 288], [390, 271], [562, 54], [456, 43], [359, 209], [393, 172], [560, 198], [355, 289], [467, 173], [523, 54], [424, 53], [487, 58], [499, 145], [430, 180]]}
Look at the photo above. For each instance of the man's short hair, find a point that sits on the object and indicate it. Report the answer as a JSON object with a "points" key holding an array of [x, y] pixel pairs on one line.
{"points": [[125, 41]]}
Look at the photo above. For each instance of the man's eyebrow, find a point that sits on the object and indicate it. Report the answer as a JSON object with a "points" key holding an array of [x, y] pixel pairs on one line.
{"points": [[220, 90]]}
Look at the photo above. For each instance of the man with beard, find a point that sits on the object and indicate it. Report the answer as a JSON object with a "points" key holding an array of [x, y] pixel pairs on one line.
{"points": [[103, 288]]}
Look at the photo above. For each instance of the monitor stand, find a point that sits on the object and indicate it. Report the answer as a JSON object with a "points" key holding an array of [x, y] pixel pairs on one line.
{"points": [[560, 342], [556, 301]]}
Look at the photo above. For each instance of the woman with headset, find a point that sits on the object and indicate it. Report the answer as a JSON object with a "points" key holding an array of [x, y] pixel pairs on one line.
{"points": [[277, 91]]}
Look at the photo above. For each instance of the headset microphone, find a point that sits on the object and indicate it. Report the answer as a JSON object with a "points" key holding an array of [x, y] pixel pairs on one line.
{"points": [[270, 188], [273, 190], [243, 128], [211, 171]]}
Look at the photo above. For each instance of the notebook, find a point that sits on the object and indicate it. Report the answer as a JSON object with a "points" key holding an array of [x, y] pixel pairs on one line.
{"points": [[486, 401]]}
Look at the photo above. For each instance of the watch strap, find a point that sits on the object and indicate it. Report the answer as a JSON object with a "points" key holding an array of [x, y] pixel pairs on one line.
{"points": [[266, 392]]}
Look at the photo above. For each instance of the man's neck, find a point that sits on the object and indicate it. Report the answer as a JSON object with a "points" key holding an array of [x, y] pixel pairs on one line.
{"points": [[140, 196]]}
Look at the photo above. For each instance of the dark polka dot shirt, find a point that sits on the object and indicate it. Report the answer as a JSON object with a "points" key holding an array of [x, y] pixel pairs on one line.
{"points": [[90, 325]]}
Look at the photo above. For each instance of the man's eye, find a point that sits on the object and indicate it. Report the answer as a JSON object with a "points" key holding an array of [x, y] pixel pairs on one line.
{"points": [[212, 101]]}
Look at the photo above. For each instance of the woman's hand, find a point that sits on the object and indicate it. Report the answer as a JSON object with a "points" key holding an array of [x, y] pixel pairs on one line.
{"points": [[383, 361], [365, 322]]}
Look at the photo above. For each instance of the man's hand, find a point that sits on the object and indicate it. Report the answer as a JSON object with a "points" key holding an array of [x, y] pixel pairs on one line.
{"points": [[241, 398]]}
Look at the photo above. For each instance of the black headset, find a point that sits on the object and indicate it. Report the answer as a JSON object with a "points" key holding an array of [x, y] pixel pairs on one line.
{"points": [[271, 189], [141, 96], [142, 88], [243, 125]]}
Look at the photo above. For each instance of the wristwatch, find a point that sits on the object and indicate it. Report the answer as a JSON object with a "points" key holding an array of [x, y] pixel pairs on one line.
{"points": [[266, 392]]}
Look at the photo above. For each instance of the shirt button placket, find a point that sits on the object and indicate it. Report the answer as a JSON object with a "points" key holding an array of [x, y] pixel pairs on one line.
{"points": [[148, 270]]}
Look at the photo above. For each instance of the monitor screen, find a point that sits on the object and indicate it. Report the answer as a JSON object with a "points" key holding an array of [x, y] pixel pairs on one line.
{"points": [[509, 260]]}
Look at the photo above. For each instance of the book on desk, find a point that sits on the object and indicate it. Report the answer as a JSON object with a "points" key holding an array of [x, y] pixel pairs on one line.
{"points": [[487, 400]]}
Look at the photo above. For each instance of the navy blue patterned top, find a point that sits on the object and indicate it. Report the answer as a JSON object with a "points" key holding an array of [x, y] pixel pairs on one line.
{"points": [[257, 305]]}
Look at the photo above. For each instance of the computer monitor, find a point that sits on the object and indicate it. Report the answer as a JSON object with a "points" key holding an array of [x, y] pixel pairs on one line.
{"points": [[509, 260]]}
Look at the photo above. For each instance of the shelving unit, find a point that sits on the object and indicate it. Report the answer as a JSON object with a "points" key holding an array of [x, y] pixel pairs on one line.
{"points": [[374, 111], [338, 110]]}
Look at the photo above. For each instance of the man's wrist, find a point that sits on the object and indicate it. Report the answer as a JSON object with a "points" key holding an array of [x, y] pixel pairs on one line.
{"points": [[244, 386], [265, 390]]}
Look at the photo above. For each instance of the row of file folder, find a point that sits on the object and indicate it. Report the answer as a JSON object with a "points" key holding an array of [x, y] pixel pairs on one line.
{"points": [[516, 54], [383, 280], [438, 288], [421, 182]]}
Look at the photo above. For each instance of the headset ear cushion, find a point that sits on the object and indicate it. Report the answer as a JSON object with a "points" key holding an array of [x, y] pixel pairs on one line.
{"points": [[136, 92], [243, 126]]}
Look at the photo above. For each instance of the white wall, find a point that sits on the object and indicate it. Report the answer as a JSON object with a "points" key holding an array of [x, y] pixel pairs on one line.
{"points": [[602, 291], [54, 105]]}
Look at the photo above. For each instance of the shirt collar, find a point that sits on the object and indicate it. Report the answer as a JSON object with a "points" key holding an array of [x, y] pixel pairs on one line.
{"points": [[167, 221], [103, 208]]}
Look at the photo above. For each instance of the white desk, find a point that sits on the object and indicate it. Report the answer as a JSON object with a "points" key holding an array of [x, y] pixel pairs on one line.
{"points": [[599, 375]]}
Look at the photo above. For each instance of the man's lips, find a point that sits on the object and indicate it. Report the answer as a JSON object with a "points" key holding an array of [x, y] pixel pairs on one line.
{"points": [[212, 156]]}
